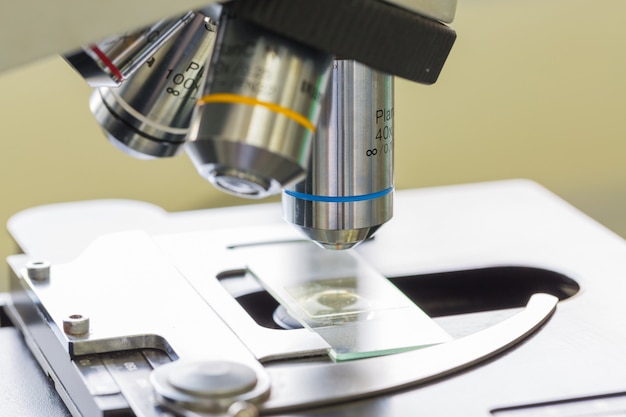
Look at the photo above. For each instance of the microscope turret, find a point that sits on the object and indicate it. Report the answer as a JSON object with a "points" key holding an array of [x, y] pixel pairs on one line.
{"points": [[271, 96]]}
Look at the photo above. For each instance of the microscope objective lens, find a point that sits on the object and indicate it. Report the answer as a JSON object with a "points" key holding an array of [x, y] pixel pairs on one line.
{"points": [[252, 130]]}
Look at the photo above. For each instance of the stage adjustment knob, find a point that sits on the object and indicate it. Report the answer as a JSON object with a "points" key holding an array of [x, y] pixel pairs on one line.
{"points": [[223, 387]]}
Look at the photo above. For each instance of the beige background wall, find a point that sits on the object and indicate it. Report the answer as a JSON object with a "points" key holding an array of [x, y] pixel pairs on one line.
{"points": [[533, 89]]}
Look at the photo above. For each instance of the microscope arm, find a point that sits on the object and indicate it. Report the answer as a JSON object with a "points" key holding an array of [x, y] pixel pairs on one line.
{"points": [[65, 25]]}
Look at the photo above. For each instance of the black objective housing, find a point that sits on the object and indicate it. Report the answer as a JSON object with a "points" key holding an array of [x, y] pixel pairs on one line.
{"points": [[378, 34]]}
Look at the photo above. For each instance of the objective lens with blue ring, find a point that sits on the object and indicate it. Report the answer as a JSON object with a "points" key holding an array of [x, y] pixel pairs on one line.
{"points": [[348, 192]]}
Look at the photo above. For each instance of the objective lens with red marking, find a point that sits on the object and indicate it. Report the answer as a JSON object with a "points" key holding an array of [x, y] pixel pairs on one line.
{"points": [[148, 115], [112, 61]]}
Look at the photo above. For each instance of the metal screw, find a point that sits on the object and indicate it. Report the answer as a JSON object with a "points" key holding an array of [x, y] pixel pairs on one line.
{"points": [[38, 270], [76, 325]]}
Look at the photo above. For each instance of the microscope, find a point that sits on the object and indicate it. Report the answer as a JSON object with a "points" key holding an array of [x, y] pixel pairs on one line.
{"points": [[270, 98], [449, 309]]}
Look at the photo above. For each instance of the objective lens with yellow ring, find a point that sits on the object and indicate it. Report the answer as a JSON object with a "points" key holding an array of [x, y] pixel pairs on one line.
{"points": [[252, 129]]}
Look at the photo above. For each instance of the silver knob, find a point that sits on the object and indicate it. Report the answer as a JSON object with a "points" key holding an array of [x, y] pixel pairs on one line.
{"points": [[211, 387]]}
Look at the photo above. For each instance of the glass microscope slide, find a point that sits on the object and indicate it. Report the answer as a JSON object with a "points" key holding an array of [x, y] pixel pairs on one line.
{"points": [[355, 309]]}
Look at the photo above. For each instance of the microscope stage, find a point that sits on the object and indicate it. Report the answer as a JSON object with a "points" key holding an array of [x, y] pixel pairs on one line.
{"points": [[197, 290]]}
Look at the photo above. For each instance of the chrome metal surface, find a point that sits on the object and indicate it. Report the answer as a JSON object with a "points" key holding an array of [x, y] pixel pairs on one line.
{"points": [[148, 116], [139, 266], [110, 62], [348, 192], [313, 385], [211, 387], [251, 132], [108, 295], [172, 270], [262, 100]]}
